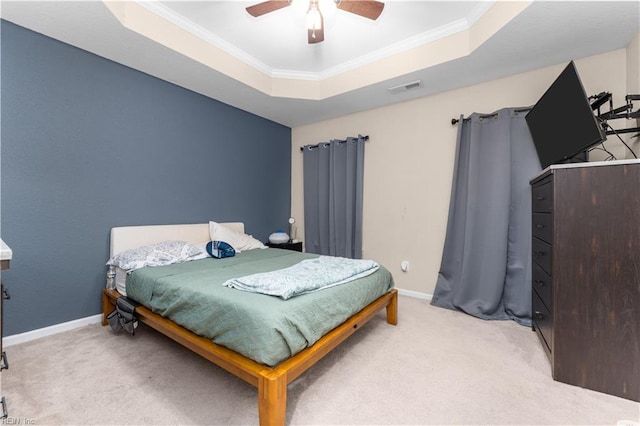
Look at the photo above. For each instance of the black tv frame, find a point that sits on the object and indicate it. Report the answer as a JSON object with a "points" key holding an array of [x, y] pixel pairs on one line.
{"points": [[545, 118]]}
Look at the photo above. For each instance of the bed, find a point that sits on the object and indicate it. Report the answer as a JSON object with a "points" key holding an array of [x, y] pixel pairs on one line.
{"points": [[270, 373]]}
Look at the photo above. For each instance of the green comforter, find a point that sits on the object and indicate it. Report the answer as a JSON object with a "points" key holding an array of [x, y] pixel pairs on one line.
{"points": [[264, 328]]}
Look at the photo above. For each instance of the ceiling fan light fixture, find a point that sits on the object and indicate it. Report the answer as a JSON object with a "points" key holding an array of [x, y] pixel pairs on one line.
{"points": [[314, 18], [370, 9]]}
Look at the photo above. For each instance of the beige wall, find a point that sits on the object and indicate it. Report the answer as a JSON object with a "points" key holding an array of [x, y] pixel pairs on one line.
{"points": [[633, 87], [409, 161], [633, 65]]}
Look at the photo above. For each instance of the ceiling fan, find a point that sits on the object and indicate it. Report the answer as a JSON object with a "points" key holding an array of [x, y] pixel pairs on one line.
{"points": [[370, 9]]}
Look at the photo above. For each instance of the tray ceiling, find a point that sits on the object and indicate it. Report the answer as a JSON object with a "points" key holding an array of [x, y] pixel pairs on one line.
{"points": [[265, 66]]}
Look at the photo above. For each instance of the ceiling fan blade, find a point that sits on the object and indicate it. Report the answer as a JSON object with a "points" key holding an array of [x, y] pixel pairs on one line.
{"points": [[266, 7], [367, 8], [315, 36]]}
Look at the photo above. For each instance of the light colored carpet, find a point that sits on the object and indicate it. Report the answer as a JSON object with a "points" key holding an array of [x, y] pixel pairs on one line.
{"points": [[435, 367]]}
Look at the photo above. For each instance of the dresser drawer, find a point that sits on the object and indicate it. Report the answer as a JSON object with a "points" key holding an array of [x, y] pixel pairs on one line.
{"points": [[541, 197], [542, 320], [541, 226], [542, 254], [542, 284]]}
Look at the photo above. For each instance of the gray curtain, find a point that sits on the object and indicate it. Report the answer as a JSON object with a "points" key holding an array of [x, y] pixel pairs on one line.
{"points": [[486, 263], [333, 182]]}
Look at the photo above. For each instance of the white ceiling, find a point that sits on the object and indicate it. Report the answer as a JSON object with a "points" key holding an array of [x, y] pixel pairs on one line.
{"points": [[370, 55]]}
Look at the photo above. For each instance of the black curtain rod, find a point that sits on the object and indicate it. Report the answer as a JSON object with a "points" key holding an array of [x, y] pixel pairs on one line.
{"points": [[455, 121], [366, 138]]}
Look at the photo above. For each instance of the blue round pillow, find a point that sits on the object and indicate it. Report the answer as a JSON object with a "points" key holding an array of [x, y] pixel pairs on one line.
{"points": [[220, 249]]}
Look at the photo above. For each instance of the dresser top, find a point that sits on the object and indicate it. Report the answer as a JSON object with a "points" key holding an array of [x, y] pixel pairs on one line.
{"points": [[585, 164]]}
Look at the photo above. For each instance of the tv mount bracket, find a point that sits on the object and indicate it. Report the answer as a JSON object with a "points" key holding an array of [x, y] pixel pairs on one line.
{"points": [[625, 111]]}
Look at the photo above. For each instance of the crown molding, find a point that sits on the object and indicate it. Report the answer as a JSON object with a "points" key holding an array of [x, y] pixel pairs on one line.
{"points": [[478, 11], [204, 34], [402, 46]]}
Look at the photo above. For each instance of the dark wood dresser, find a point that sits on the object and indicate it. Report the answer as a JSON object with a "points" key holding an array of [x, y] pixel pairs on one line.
{"points": [[586, 274]]}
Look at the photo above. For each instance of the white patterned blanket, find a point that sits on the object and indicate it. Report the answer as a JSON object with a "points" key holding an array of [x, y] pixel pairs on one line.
{"points": [[305, 277]]}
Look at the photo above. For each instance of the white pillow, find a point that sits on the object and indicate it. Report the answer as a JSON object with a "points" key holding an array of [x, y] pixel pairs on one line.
{"points": [[160, 254], [237, 240]]}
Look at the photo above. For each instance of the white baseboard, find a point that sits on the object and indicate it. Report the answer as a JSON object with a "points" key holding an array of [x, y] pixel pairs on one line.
{"points": [[51, 330], [415, 294]]}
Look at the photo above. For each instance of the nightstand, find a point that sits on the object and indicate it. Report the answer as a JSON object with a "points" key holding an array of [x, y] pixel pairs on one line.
{"points": [[286, 246]]}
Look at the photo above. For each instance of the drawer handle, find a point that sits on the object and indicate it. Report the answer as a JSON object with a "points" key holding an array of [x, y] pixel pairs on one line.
{"points": [[539, 253], [540, 198], [539, 226], [538, 315], [540, 283]]}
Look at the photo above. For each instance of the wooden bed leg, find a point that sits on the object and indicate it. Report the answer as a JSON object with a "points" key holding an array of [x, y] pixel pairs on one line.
{"points": [[107, 307], [272, 398], [392, 309]]}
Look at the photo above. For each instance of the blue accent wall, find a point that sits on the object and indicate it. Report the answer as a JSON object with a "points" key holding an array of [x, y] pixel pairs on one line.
{"points": [[88, 144]]}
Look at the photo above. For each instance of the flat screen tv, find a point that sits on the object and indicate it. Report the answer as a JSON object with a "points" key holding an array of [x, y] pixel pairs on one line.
{"points": [[562, 123]]}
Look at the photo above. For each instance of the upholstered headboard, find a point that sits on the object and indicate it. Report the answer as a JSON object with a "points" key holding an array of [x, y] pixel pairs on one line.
{"points": [[128, 237]]}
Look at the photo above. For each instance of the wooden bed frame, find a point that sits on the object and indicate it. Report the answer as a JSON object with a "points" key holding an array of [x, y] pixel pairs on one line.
{"points": [[271, 382]]}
